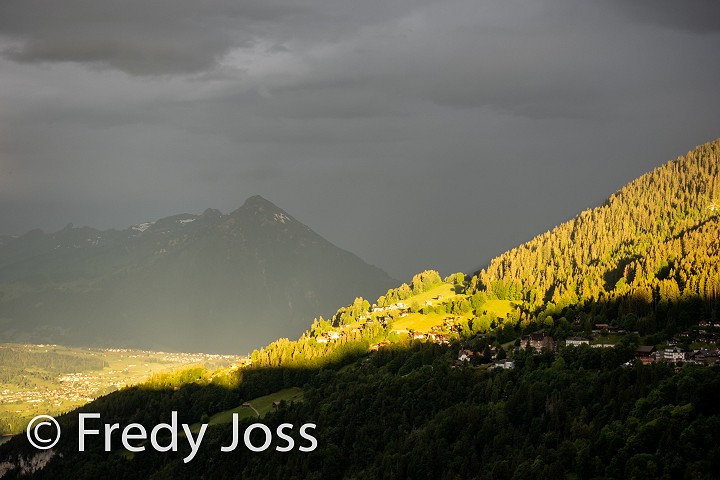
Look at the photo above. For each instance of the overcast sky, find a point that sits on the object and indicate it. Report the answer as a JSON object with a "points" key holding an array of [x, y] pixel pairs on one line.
{"points": [[415, 134]]}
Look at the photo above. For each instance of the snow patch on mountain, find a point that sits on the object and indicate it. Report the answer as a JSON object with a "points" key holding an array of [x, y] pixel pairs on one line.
{"points": [[143, 226], [281, 217]]}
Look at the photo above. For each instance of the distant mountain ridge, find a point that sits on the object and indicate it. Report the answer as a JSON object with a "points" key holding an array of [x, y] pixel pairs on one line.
{"points": [[209, 282]]}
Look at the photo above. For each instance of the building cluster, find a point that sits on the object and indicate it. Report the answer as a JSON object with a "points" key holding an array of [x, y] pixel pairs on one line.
{"points": [[439, 334], [395, 306], [672, 354], [537, 341], [344, 331], [465, 356], [330, 336], [171, 357], [73, 388]]}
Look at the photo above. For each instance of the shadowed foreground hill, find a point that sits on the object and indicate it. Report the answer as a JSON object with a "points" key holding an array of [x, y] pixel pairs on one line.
{"points": [[210, 282]]}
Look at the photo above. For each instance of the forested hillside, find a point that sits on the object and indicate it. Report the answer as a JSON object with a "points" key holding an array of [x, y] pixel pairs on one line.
{"points": [[656, 239]]}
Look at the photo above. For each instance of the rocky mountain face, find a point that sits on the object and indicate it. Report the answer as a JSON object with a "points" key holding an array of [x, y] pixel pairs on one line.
{"points": [[210, 282]]}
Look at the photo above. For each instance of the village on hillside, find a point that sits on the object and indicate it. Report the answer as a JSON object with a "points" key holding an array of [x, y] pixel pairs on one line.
{"points": [[698, 345]]}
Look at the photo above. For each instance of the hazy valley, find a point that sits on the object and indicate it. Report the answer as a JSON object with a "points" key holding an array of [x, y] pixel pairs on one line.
{"points": [[209, 282], [51, 379]]}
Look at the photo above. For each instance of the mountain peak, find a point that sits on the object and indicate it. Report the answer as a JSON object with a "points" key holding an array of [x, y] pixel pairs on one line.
{"points": [[261, 208], [258, 202]]}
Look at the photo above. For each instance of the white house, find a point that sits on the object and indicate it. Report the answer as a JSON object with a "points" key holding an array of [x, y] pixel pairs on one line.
{"points": [[576, 341], [673, 354]]}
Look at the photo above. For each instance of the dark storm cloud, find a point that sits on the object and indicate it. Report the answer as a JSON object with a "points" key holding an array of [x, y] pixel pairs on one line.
{"points": [[700, 16], [414, 133], [142, 37], [136, 36]]}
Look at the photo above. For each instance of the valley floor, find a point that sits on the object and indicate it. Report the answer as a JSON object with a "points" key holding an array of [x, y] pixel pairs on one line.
{"points": [[52, 379]]}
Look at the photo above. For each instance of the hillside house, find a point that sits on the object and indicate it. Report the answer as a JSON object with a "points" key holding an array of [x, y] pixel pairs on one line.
{"points": [[465, 355], [704, 357], [645, 353], [576, 341], [440, 338], [672, 355], [537, 341]]}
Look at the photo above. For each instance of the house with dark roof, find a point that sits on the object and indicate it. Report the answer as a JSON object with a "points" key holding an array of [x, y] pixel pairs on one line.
{"points": [[537, 341], [645, 353]]}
